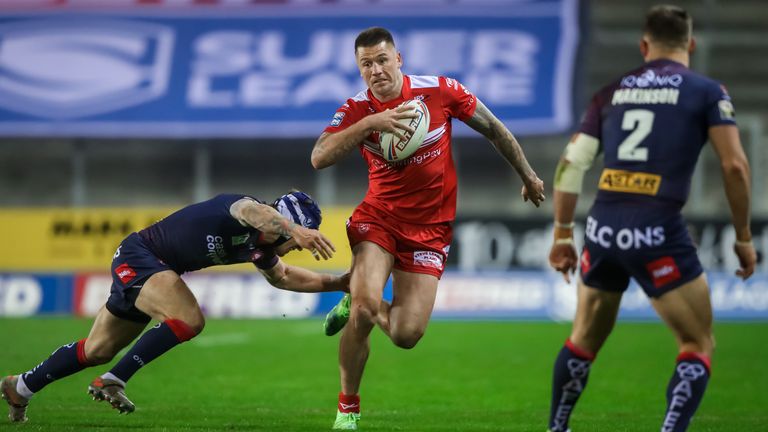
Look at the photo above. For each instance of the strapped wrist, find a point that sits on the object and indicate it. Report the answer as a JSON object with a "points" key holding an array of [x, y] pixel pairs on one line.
{"points": [[564, 241], [564, 225]]}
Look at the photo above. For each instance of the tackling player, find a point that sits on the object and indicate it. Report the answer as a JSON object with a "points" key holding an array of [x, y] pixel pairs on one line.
{"points": [[403, 226], [650, 125], [146, 269]]}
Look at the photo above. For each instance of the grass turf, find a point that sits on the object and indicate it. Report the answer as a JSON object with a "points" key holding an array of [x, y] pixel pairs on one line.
{"points": [[281, 375]]}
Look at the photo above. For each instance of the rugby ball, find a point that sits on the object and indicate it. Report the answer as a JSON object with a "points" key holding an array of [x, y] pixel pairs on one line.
{"points": [[393, 148]]}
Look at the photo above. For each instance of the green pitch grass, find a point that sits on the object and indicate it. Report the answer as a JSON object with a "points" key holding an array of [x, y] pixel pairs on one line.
{"points": [[464, 376]]}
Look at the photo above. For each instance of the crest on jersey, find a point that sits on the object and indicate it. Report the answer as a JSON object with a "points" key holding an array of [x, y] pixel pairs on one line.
{"points": [[80, 67], [337, 118], [726, 110]]}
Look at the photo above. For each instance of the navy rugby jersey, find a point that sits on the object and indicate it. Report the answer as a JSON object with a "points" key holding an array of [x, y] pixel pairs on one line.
{"points": [[652, 124], [205, 234]]}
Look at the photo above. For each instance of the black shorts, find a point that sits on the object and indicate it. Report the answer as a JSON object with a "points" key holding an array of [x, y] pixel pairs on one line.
{"points": [[132, 265], [648, 243]]}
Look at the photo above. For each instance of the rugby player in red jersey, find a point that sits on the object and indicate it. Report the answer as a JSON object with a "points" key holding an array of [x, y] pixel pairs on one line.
{"points": [[403, 226], [146, 269], [650, 125]]}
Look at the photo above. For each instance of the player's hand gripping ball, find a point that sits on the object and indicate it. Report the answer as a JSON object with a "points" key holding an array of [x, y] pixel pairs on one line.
{"points": [[393, 148]]}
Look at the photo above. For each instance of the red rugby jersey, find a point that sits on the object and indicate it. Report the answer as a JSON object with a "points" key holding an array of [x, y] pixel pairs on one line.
{"points": [[422, 188]]}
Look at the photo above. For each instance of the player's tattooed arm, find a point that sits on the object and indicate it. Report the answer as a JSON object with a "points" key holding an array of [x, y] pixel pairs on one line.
{"points": [[262, 217], [331, 147], [484, 122]]}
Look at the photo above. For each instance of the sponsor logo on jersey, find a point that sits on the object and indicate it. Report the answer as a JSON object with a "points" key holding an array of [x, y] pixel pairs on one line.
{"points": [[363, 228], [630, 182], [240, 240], [75, 68], [663, 271], [625, 238], [649, 78], [125, 273], [337, 118], [428, 259], [726, 110], [256, 255], [215, 245]]}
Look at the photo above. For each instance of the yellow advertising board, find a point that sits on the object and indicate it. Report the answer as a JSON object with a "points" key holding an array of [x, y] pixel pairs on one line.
{"points": [[66, 239]]}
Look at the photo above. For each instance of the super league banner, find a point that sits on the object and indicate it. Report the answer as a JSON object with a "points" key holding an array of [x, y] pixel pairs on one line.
{"points": [[271, 71]]}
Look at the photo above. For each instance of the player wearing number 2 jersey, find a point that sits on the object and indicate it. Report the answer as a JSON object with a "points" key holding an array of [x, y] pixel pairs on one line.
{"points": [[403, 226], [650, 125]]}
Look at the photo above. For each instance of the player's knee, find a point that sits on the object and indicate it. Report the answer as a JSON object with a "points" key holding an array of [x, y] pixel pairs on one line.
{"points": [[704, 344], [365, 309], [406, 337]]}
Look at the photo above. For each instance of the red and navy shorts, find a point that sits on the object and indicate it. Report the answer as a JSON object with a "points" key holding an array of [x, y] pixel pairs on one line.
{"points": [[132, 264], [416, 248], [649, 243]]}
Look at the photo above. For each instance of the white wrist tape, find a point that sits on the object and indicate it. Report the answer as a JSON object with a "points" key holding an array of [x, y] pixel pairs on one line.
{"points": [[577, 159]]}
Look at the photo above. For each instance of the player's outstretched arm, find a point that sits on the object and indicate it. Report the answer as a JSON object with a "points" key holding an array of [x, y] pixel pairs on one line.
{"points": [[736, 177], [299, 279], [331, 147], [569, 178], [269, 221], [489, 126]]}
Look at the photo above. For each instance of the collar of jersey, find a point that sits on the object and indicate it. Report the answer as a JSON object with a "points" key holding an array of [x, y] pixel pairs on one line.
{"points": [[405, 94]]}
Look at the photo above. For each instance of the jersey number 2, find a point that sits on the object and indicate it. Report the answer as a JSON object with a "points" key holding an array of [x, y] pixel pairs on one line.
{"points": [[640, 122]]}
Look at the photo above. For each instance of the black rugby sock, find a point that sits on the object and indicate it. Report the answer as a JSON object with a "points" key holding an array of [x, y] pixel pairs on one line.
{"points": [[685, 391], [65, 361], [568, 381], [151, 345]]}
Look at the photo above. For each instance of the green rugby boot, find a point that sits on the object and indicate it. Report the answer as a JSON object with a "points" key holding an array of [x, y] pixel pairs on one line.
{"points": [[346, 421], [338, 316]]}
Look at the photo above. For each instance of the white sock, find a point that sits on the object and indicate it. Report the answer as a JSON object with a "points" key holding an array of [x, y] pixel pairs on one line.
{"points": [[110, 376], [22, 389]]}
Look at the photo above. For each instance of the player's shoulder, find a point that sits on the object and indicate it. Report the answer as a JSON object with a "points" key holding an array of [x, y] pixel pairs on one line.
{"points": [[360, 99], [704, 81], [424, 81], [227, 199]]}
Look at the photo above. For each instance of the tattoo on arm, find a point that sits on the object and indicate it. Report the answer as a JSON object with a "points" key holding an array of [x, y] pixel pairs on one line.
{"points": [[266, 219], [486, 123], [345, 141], [280, 225]]}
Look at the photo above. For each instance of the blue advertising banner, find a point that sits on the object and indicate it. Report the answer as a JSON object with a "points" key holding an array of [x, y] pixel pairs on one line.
{"points": [[534, 294], [275, 71], [32, 294]]}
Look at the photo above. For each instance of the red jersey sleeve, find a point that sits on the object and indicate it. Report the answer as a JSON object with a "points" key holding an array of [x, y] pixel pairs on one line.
{"points": [[347, 115], [458, 102]]}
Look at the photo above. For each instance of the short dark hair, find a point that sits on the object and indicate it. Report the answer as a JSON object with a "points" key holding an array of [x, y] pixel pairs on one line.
{"points": [[373, 36], [669, 25]]}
